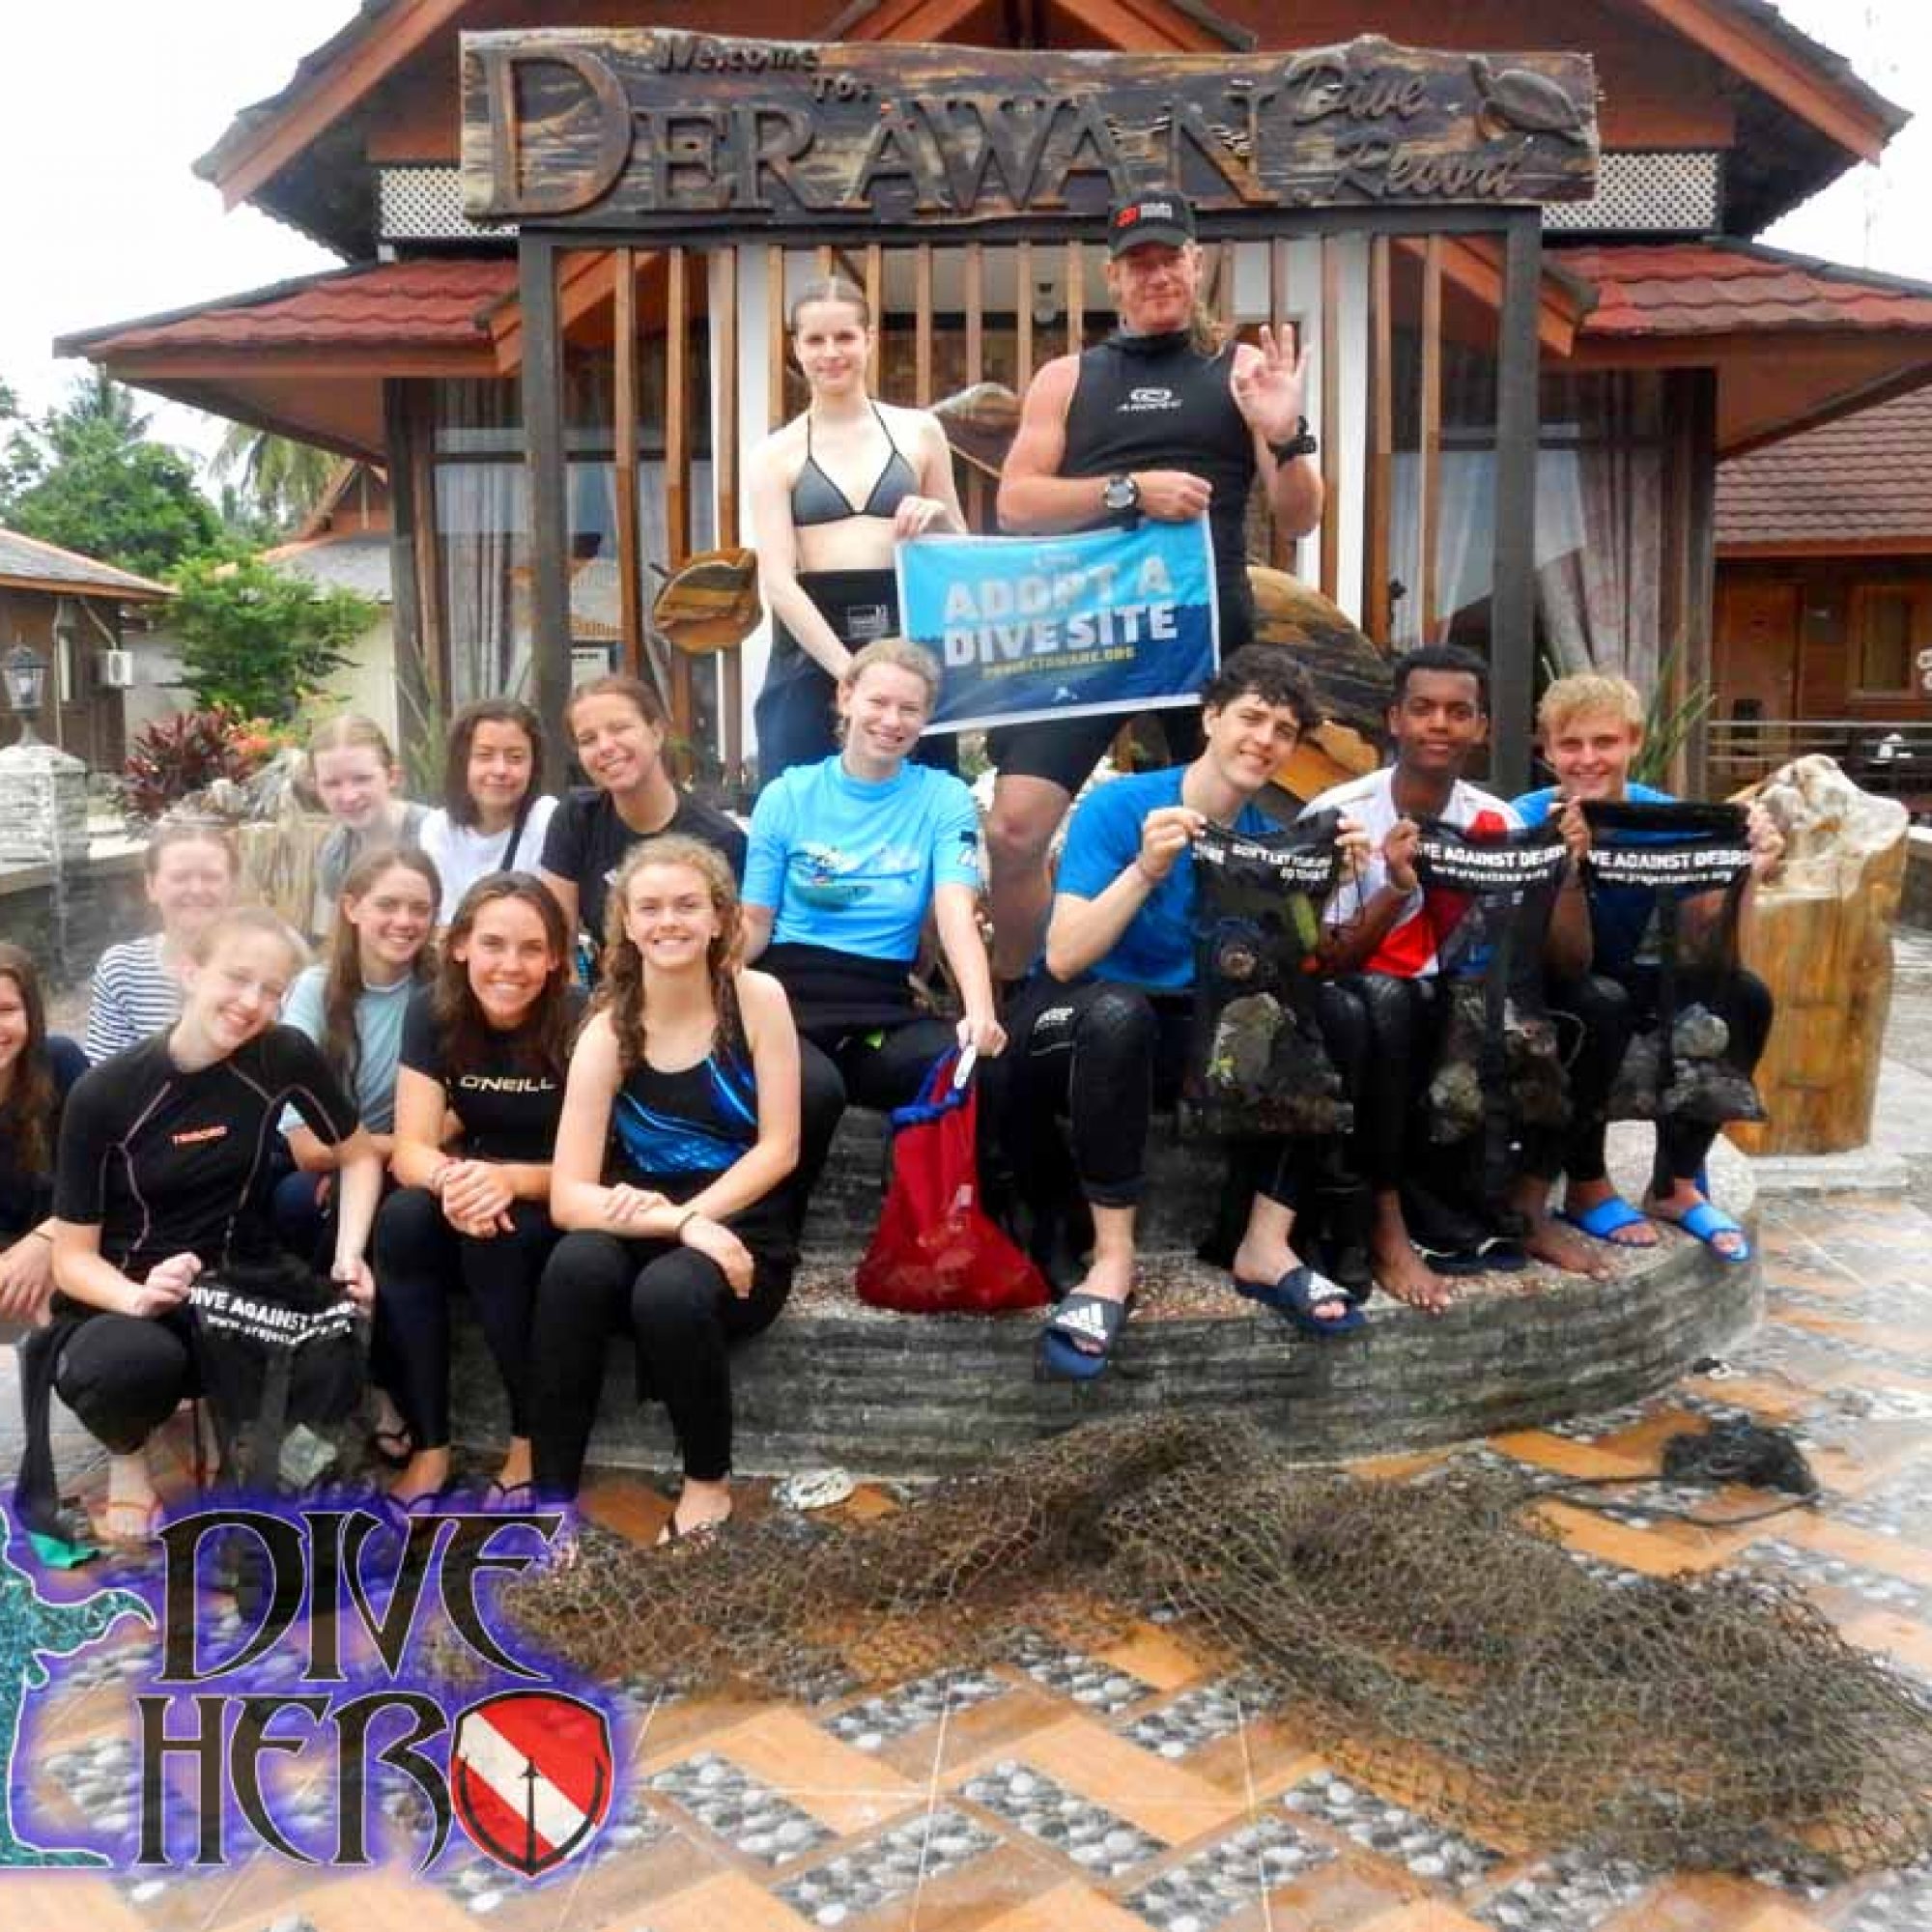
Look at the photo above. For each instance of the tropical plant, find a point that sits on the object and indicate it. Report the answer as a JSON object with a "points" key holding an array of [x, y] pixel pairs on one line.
{"points": [[174, 757], [257, 641], [1667, 721], [280, 480]]}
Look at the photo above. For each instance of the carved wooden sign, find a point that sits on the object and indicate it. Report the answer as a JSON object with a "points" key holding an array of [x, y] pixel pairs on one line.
{"points": [[663, 130]]}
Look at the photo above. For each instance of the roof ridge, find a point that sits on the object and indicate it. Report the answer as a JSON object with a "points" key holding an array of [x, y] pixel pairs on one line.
{"points": [[111, 571]]}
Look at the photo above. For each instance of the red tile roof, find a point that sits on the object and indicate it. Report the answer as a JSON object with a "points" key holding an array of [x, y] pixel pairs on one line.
{"points": [[438, 302], [1719, 287], [1865, 478]]}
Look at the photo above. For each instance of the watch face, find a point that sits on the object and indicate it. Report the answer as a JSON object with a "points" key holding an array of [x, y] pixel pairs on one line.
{"points": [[1120, 493]]}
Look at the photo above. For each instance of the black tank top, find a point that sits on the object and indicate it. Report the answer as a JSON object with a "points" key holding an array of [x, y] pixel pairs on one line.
{"points": [[1155, 402]]}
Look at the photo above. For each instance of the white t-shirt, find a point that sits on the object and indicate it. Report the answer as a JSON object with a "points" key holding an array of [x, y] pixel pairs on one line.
{"points": [[464, 854], [1408, 947]]}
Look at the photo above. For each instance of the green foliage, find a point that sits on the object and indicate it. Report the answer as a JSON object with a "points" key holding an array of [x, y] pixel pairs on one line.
{"points": [[85, 477], [1668, 726], [258, 641], [279, 481], [185, 753]]}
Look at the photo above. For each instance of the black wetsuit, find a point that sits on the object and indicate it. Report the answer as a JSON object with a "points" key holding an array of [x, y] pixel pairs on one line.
{"points": [[1150, 402]]}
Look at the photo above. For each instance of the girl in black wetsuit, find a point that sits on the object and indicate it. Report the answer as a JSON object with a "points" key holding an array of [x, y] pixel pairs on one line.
{"points": [[832, 492], [488, 1041], [689, 1070], [165, 1169]]}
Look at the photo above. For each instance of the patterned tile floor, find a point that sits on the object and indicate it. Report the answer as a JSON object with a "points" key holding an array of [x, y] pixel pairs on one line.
{"points": [[1140, 1789]]}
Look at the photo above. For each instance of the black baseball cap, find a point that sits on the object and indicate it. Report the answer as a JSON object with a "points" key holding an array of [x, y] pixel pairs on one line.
{"points": [[1164, 216]]}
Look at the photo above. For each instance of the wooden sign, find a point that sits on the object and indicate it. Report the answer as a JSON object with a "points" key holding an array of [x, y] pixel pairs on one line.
{"points": [[644, 128]]}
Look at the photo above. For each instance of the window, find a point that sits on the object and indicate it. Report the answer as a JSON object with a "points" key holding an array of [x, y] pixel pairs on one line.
{"points": [[1890, 623]]}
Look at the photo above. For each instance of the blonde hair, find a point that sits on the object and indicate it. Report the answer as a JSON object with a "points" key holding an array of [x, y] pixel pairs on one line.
{"points": [[1584, 692], [244, 921], [902, 654], [351, 730]]}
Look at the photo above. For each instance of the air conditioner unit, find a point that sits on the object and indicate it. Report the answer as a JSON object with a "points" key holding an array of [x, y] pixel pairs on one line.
{"points": [[117, 670]]}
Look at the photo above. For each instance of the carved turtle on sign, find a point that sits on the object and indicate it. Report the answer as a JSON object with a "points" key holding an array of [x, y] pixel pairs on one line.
{"points": [[1531, 103]]}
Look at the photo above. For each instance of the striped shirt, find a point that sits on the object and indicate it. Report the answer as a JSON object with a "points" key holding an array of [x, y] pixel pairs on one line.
{"points": [[134, 995]]}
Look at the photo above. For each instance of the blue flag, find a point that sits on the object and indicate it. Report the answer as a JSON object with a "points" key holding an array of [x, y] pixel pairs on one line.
{"points": [[1029, 628]]}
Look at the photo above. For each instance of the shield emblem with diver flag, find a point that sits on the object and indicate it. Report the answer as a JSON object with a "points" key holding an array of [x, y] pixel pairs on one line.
{"points": [[530, 1777]]}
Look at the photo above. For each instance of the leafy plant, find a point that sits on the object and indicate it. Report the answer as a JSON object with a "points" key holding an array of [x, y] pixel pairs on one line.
{"points": [[257, 641], [185, 753], [1668, 726]]}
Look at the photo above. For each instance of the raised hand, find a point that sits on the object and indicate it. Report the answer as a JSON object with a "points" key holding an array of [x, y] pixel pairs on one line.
{"points": [[1270, 385]]}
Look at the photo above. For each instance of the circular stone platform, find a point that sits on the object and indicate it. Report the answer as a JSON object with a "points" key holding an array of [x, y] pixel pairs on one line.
{"points": [[834, 1381]]}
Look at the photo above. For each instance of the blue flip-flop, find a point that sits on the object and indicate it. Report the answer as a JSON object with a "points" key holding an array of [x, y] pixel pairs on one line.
{"points": [[1094, 1318], [1296, 1295], [1607, 1220], [1705, 1221]]}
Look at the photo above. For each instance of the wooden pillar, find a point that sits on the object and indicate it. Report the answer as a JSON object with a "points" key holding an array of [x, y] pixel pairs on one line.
{"points": [[677, 460], [419, 716], [1512, 579], [624, 410], [1379, 494], [1331, 415], [1429, 451], [724, 479], [1281, 547], [548, 523]]}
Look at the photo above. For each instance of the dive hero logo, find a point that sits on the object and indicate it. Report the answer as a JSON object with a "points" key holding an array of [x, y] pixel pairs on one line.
{"points": [[528, 1773]]}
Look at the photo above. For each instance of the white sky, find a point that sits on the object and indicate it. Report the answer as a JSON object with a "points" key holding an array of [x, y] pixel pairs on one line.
{"points": [[101, 221]]}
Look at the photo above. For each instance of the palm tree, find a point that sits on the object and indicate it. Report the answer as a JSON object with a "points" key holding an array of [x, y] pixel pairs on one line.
{"points": [[284, 480]]}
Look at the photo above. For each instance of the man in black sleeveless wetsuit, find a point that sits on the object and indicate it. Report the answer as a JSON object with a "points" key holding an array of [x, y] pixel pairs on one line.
{"points": [[1150, 423]]}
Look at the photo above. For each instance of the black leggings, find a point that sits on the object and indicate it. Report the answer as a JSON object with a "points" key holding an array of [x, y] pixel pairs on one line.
{"points": [[1106, 1056], [683, 1317], [1742, 1000], [1400, 1020], [125, 1375], [419, 1258], [841, 1067], [1593, 1021]]}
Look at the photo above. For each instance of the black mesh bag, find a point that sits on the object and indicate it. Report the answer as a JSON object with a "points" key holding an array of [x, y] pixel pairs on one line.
{"points": [[1681, 1067], [283, 1369], [1257, 1064], [1498, 1070]]}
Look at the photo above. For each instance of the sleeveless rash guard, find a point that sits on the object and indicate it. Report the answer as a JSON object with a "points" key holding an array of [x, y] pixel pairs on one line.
{"points": [[1155, 402]]}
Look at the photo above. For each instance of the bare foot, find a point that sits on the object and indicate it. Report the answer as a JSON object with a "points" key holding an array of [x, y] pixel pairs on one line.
{"points": [[1403, 1273], [421, 1477], [1548, 1240], [1580, 1196], [132, 1508]]}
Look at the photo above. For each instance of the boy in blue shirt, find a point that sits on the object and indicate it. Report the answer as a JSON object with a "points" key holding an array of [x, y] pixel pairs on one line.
{"points": [[1592, 729], [1105, 1029]]}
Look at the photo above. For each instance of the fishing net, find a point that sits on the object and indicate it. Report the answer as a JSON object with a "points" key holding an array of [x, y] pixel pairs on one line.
{"points": [[1681, 1065], [1430, 1638], [1258, 1063]]}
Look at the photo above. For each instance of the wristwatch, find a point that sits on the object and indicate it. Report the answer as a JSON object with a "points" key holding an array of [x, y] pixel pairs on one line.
{"points": [[1121, 492], [1301, 444]]}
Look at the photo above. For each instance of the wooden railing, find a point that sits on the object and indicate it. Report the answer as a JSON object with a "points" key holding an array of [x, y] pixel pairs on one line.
{"points": [[1892, 756]]}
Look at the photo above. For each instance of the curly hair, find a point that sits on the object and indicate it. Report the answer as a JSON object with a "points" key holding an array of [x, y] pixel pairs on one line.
{"points": [[27, 1113], [342, 982], [542, 1042], [623, 991]]}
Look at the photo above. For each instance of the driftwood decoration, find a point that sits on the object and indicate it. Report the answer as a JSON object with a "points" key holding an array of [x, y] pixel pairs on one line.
{"points": [[662, 129]]}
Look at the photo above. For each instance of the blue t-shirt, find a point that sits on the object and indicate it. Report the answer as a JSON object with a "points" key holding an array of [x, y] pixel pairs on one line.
{"points": [[1157, 948], [379, 1042], [851, 864], [1619, 915]]}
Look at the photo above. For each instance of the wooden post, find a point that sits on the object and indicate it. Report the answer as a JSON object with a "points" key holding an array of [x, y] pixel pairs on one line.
{"points": [[1281, 547], [1512, 579], [1331, 413], [1076, 298], [1023, 316], [1380, 492], [922, 325], [543, 439], [418, 714], [875, 301], [1429, 454], [677, 458], [975, 505], [624, 408], [774, 336], [725, 481]]}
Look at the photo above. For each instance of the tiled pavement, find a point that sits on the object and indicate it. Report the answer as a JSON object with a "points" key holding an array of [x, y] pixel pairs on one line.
{"points": [[1138, 1788]]}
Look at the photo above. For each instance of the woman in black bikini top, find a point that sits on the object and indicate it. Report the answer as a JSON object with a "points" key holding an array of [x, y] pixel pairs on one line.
{"points": [[832, 492]]}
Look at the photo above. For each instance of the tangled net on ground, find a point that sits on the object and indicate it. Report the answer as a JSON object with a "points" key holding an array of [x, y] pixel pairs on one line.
{"points": [[1431, 1639]]}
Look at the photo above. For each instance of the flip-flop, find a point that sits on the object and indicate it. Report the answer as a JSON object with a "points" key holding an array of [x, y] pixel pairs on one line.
{"points": [[1295, 1298], [1491, 1254], [1607, 1220], [1705, 1221], [1081, 1318]]}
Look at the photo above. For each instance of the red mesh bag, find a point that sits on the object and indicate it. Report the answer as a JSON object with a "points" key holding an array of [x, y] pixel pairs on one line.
{"points": [[934, 1251]]}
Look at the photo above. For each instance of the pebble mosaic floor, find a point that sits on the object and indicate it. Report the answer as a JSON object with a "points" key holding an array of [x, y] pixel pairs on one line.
{"points": [[1139, 1789]]}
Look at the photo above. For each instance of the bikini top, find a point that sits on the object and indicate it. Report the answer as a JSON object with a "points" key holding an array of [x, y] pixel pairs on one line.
{"points": [[816, 500]]}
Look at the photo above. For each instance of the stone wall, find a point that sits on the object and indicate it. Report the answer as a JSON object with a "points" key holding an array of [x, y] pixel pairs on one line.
{"points": [[104, 901]]}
